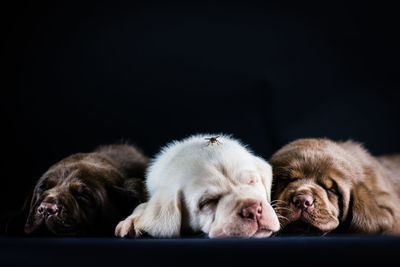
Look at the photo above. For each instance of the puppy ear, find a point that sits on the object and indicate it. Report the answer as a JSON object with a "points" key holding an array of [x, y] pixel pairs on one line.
{"points": [[161, 216], [371, 214], [265, 171], [29, 209]]}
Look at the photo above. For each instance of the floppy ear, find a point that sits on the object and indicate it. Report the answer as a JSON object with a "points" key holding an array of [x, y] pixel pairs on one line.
{"points": [[265, 171], [161, 216], [28, 209], [371, 212]]}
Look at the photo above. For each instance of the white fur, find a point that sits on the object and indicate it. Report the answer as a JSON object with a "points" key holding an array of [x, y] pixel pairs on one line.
{"points": [[186, 171]]}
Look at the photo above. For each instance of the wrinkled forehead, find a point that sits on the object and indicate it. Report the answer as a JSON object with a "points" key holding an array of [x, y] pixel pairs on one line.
{"points": [[310, 165], [222, 174], [313, 164], [64, 176]]}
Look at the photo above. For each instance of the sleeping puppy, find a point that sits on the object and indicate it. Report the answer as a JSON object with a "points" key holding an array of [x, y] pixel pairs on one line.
{"points": [[321, 187], [87, 194], [209, 185]]}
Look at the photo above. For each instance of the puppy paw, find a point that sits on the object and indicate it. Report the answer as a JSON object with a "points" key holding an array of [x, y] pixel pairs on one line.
{"points": [[126, 228]]}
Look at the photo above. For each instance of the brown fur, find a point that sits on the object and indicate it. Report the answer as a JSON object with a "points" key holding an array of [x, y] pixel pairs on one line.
{"points": [[353, 191], [93, 191]]}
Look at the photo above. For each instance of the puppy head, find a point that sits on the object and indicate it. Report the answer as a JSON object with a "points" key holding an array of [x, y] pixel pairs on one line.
{"points": [[313, 185], [233, 199], [221, 190], [72, 198]]}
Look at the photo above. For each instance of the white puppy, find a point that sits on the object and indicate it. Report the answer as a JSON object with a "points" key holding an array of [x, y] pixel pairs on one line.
{"points": [[218, 187]]}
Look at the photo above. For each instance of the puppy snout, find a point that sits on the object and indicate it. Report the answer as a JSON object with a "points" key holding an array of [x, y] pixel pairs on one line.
{"points": [[47, 209], [303, 201], [252, 211]]}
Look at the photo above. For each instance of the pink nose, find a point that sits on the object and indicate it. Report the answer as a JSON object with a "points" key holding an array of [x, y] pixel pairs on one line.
{"points": [[252, 211], [47, 209], [303, 201]]}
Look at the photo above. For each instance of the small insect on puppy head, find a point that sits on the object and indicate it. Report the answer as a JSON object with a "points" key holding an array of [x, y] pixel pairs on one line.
{"points": [[213, 140]]}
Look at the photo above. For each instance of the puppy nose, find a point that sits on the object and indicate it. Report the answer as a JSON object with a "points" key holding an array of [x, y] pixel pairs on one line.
{"points": [[303, 201], [252, 211], [46, 208]]}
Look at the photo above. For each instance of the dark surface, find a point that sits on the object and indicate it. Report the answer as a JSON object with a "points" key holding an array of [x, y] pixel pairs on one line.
{"points": [[78, 75], [288, 251]]}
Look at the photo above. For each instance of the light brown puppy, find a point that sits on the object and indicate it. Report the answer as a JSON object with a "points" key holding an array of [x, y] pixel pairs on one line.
{"points": [[321, 186]]}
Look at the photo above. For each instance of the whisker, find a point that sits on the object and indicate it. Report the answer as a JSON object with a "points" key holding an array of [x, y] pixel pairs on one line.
{"points": [[287, 211], [282, 208], [283, 217], [276, 200], [279, 205], [276, 205]]}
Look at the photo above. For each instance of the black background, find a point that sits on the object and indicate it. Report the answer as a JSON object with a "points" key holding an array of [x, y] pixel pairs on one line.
{"points": [[77, 75]]}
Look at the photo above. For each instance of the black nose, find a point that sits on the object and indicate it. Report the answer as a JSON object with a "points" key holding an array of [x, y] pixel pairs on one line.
{"points": [[47, 209]]}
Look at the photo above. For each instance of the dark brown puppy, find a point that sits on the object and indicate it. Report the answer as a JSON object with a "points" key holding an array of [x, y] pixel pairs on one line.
{"points": [[87, 194], [321, 186]]}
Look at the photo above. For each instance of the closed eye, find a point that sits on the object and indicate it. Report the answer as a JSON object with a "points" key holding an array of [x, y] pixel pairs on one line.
{"points": [[82, 194], [332, 190], [288, 180], [330, 186], [45, 185], [209, 202]]}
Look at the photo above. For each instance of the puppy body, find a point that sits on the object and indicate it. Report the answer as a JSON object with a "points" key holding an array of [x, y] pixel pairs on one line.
{"points": [[323, 186], [392, 165], [86, 194], [197, 186]]}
